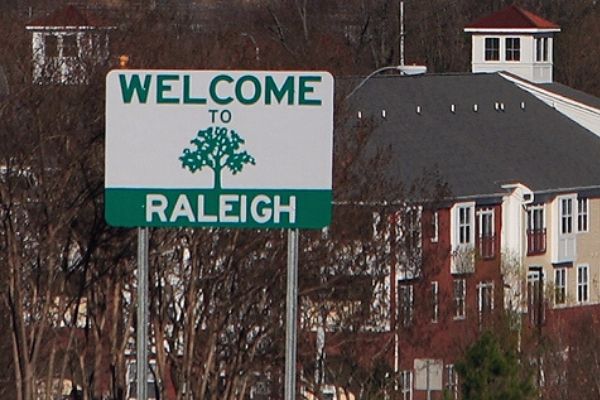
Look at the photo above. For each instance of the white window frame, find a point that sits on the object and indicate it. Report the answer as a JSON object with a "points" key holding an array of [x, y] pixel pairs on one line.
{"points": [[514, 51], [435, 306], [583, 283], [452, 381], [481, 213], [460, 301], [566, 220], [485, 49], [465, 225], [406, 384], [435, 224], [541, 49], [531, 211], [560, 284], [583, 214], [131, 377], [481, 287], [407, 318], [462, 237], [408, 221]]}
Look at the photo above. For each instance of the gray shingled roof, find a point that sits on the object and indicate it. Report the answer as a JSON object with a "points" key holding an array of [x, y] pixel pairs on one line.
{"points": [[475, 152]]}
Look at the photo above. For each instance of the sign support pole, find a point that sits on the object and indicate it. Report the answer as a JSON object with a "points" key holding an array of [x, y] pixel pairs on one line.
{"points": [[291, 331], [142, 315]]}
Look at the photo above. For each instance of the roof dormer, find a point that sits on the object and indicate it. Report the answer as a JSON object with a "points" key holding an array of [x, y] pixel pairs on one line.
{"points": [[513, 40], [66, 44]]}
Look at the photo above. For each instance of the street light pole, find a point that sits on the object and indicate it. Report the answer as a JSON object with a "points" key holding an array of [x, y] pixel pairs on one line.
{"points": [[372, 74]]}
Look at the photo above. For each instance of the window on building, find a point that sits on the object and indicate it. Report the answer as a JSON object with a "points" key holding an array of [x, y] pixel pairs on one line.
{"points": [[465, 225], [69, 46], [406, 385], [451, 382], [435, 220], [459, 295], [582, 214], [541, 49], [462, 238], [535, 295], [560, 286], [51, 46], [513, 49], [485, 297], [409, 241], [582, 283], [492, 49], [406, 299], [435, 306], [132, 380], [536, 230], [486, 236], [566, 216]]}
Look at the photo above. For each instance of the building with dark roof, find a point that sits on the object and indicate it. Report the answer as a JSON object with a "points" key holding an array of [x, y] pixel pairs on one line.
{"points": [[521, 156]]}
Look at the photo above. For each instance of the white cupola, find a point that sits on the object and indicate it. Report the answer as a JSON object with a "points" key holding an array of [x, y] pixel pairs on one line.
{"points": [[513, 40], [66, 45]]}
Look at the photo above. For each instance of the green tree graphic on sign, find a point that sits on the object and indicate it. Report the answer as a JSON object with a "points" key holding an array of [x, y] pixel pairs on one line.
{"points": [[216, 148]]}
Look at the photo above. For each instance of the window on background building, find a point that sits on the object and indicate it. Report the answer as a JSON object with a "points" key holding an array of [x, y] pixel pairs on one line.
{"points": [[582, 214], [541, 49], [69, 46], [409, 241], [582, 283], [566, 216], [51, 46], [435, 306], [451, 382], [406, 299], [435, 220], [406, 385], [535, 295], [513, 49], [485, 298], [536, 230], [485, 235], [132, 380], [465, 225], [459, 295], [492, 49], [560, 286]]}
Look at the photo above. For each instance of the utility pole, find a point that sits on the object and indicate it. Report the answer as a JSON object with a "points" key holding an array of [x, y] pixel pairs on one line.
{"points": [[401, 29]]}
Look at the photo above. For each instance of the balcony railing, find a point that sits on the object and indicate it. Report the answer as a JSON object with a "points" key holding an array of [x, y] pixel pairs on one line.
{"points": [[487, 247], [536, 241]]}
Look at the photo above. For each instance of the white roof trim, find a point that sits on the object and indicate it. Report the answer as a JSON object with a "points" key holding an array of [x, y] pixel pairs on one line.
{"points": [[511, 30], [534, 88], [67, 28]]}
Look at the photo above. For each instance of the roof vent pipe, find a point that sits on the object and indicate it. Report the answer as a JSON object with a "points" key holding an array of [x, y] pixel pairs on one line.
{"points": [[496, 106], [522, 105], [475, 107], [383, 114], [501, 106], [418, 110], [359, 115], [453, 108]]}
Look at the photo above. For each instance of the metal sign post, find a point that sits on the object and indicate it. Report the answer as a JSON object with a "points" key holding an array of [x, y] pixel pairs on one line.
{"points": [[291, 330], [142, 316]]}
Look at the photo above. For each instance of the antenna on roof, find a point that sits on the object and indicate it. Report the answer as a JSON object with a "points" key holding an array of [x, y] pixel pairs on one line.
{"points": [[401, 22]]}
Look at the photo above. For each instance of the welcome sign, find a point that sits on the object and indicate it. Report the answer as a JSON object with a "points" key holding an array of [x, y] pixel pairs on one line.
{"points": [[218, 148]]}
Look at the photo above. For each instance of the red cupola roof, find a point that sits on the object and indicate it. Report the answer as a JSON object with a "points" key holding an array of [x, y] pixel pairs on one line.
{"points": [[69, 16], [514, 18]]}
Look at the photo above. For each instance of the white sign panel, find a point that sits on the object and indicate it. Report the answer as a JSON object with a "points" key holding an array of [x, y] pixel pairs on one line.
{"points": [[219, 148]]}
